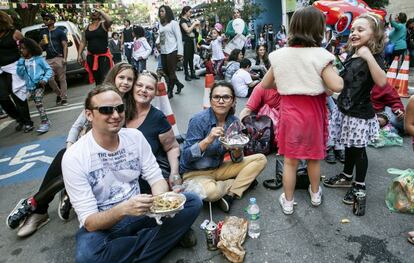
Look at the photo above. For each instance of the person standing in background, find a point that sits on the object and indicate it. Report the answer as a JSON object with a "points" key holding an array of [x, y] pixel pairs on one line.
{"points": [[171, 47], [116, 48], [398, 36], [55, 42], [127, 40], [189, 34], [99, 58]]}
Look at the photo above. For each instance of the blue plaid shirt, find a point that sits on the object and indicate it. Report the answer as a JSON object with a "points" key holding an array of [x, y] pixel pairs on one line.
{"points": [[192, 159]]}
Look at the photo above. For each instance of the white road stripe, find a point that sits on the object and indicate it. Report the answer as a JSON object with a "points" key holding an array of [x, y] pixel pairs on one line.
{"points": [[53, 110], [59, 107]]}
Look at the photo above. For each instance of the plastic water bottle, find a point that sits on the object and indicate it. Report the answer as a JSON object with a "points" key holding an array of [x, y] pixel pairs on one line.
{"points": [[254, 217]]}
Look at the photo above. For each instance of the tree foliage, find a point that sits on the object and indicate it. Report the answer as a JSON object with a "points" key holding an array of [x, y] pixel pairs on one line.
{"points": [[223, 10]]}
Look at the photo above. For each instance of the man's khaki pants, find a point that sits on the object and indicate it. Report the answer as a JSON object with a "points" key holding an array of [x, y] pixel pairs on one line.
{"points": [[59, 71], [229, 177]]}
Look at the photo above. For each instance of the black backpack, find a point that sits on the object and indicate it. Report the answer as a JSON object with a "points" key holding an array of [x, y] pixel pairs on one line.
{"points": [[259, 129]]}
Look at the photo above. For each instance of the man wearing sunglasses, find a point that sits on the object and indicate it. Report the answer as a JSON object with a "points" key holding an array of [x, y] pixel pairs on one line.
{"points": [[101, 172], [55, 42]]}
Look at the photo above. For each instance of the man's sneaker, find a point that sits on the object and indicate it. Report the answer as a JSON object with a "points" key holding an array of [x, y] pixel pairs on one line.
{"points": [[32, 223], [349, 196], [330, 156], [58, 100], [338, 181], [225, 203], [19, 126], [64, 102], [28, 128], [65, 206], [316, 198], [189, 239], [287, 206], [340, 155], [43, 128], [22, 210]]}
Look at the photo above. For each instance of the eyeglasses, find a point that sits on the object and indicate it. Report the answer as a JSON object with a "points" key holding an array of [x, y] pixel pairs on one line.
{"points": [[109, 110], [226, 98]]}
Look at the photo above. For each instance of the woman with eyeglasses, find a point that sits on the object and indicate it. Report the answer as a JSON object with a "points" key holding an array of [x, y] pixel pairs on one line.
{"points": [[202, 160], [171, 48], [141, 115], [99, 59], [31, 213]]}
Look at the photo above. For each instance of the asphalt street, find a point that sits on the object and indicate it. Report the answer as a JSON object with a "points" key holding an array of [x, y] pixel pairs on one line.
{"points": [[309, 235]]}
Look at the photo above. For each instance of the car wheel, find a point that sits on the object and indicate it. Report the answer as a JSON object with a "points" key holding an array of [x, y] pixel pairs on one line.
{"points": [[343, 22]]}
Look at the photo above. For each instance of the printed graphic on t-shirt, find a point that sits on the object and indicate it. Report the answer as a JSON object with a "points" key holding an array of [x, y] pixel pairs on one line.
{"points": [[137, 45], [114, 176], [162, 38]]}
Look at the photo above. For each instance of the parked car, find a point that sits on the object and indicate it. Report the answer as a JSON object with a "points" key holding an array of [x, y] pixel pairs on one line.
{"points": [[74, 39]]}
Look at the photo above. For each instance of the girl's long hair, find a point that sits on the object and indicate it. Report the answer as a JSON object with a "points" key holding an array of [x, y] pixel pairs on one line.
{"points": [[377, 43], [169, 15], [306, 28]]}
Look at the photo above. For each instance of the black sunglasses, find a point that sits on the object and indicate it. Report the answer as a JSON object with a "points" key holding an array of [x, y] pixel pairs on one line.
{"points": [[109, 110]]}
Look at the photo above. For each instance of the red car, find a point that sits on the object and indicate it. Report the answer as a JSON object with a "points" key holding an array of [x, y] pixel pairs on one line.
{"points": [[340, 13]]}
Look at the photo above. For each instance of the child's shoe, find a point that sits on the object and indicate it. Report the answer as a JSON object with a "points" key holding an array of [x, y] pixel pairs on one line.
{"points": [[349, 196], [316, 198], [338, 181], [287, 206], [43, 128]]}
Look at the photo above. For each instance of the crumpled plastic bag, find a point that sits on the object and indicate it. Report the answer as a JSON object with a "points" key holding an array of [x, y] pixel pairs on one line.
{"points": [[386, 138], [400, 194], [195, 187], [232, 236]]}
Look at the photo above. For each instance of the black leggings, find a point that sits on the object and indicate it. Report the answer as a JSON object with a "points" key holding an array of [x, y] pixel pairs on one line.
{"points": [[51, 185], [14, 107], [188, 57], [356, 157]]}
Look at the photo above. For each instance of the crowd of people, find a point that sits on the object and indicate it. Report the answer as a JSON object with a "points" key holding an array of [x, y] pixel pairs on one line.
{"points": [[121, 151]]}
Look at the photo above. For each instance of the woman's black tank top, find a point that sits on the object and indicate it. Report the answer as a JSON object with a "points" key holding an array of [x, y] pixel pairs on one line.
{"points": [[97, 40], [9, 52]]}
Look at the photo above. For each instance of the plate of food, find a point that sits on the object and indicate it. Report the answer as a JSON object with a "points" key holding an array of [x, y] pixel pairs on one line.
{"points": [[167, 203], [235, 141]]}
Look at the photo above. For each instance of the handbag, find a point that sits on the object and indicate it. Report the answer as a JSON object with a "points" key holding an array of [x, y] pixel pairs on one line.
{"points": [[260, 132], [389, 48], [302, 178], [273, 114]]}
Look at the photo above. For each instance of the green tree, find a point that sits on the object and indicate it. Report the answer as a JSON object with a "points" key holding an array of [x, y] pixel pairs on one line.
{"points": [[27, 16], [224, 10]]}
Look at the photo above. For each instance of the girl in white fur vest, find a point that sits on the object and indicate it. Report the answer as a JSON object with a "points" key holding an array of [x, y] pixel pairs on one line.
{"points": [[303, 73]]}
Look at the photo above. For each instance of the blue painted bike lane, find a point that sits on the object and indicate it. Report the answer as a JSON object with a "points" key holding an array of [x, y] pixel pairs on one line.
{"points": [[28, 161]]}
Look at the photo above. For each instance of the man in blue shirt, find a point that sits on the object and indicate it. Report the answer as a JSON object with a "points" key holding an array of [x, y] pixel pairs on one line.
{"points": [[55, 42]]}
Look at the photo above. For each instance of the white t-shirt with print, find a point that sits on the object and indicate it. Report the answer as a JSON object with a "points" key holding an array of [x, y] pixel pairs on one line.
{"points": [[97, 179], [240, 81]]}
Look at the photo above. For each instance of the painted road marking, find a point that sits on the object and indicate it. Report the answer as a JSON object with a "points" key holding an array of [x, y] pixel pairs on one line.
{"points": [[48, 111], [29, 161], [60, 107]]}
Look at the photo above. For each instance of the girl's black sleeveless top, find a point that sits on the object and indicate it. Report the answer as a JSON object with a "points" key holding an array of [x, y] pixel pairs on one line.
{"points": [[9, 52], [97, 40]]}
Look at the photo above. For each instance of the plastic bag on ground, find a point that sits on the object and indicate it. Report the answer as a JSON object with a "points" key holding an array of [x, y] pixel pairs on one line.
{"points": [[387, 138], [400, 194]]}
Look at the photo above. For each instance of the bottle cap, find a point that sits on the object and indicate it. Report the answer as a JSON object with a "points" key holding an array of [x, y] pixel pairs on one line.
{"points": [[252, 200]]}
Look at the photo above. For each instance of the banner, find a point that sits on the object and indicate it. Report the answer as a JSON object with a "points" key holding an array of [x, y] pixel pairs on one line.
{"points": [[290, 6], [4, 5]]}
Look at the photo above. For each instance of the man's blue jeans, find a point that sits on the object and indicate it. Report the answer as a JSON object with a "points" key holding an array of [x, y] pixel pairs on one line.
{"points": [[137, 239]]}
